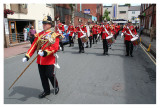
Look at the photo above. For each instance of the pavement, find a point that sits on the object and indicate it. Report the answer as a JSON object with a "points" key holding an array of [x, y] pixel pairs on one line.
{"points": [[16, 50], [146, 41], [86, 78]]}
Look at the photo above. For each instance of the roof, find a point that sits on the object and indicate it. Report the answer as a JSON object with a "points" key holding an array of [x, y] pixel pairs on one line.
{"points": [[134, 8]]}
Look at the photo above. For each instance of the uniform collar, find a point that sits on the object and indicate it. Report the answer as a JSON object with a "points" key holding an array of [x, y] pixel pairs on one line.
{"points": [[49, 30]]}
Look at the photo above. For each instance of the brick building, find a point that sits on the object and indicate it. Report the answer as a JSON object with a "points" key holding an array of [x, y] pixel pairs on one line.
{"points": [[148, 17], [64, 12]]}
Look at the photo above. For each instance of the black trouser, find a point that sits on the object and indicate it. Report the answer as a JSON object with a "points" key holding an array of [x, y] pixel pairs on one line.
{"points": [[115, 36], [105, 45], [129, 47], [32, 39], [94, 38], [70, 40], [47, 72], [90, 40], [81, 45], [61, 45]]}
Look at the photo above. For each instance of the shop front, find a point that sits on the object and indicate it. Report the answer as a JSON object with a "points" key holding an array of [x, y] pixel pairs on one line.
{"points": [[16, 28]]}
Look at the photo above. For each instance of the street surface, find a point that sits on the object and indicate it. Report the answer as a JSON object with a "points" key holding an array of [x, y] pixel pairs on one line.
{"points": [[86, 78]]}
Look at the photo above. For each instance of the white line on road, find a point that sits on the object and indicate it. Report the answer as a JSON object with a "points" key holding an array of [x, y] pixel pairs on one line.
{"points": [[149, 55]]}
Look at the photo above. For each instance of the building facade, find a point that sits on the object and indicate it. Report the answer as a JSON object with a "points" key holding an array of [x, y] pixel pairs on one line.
{"points": [[24, 14], [133, 13], [117, 11], [148, 17], [94, 13]]}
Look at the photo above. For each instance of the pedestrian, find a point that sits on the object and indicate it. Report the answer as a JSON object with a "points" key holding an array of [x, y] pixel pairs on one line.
{"points": [[45, 59], [60, 29], [32, 32], [25, 33], [28, 31]]}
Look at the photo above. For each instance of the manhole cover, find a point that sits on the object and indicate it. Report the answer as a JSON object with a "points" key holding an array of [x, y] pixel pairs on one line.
{"points": [[117, 87]]}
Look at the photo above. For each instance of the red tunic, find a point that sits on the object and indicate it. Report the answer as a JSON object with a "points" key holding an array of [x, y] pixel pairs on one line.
{"points": [[60, 26], [83, 28], [49, 59], [104, 33], [127, 34], [112, 28], [71, 29], [94, 29]]}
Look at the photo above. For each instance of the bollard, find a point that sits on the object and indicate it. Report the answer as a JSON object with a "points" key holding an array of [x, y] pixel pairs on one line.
{"points": [[149, 48]]}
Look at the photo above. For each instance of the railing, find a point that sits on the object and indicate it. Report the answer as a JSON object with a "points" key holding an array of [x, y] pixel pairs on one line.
{"points": [[15, 38]]}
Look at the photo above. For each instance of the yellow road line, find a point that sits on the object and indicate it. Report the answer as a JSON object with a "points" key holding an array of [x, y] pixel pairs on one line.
{"points": [[148, 54]]}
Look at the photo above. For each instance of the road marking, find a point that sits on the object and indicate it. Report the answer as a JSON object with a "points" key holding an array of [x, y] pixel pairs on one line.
{"points": [[149, 55]]}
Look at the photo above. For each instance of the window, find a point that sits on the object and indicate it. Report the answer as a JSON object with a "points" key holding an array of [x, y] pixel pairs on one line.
{"points": [[122, 12], [80, 7], [133, 12]]}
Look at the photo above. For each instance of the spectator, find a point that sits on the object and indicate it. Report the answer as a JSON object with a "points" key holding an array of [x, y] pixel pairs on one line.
{"points": [[25, 33], [32, 32], [141, 29]]}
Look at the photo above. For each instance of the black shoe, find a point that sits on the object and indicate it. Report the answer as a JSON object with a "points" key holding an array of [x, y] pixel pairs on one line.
{"points": [[70, 46], [44, 94], [57, 90], [82, 51], [86, 47], [131, 55], [106, 53], [127, 55]]}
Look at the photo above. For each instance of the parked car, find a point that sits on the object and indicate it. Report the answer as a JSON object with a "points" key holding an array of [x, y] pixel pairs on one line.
{"points": [[66, 39]]}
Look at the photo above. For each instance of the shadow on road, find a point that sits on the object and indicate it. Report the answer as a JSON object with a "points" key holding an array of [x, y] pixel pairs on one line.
{"points": [[25, 91]]}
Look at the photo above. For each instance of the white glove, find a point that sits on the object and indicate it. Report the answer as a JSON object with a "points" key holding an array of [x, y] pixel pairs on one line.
{"points": [[57, 66], [122, 34], [24, 59], [41, 53], [56, 55]]}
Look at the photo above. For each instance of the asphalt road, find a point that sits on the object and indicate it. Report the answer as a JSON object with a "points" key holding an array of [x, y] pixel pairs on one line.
{"points": [[87, 78]]}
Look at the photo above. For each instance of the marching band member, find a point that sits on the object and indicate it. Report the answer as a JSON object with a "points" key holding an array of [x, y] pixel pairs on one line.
{"points": [[117, 29], [129, 32], [105, 33], [81, 29], [98, 31], [45, 59], [112, 28], [95, 33], [71, 31], [89, 32], [60, 29]]}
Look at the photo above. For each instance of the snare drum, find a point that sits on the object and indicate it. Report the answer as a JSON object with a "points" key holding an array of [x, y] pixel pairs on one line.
{"points": [[135, 41], [110, 39], [84, 39]]}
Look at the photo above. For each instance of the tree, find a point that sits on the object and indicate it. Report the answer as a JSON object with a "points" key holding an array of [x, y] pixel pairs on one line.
{"points": [[127, 4], [106, 13], [72, 6]]}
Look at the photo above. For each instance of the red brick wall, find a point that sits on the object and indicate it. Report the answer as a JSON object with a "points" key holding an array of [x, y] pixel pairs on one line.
{"points": [[64, 6], [68, 19]]}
